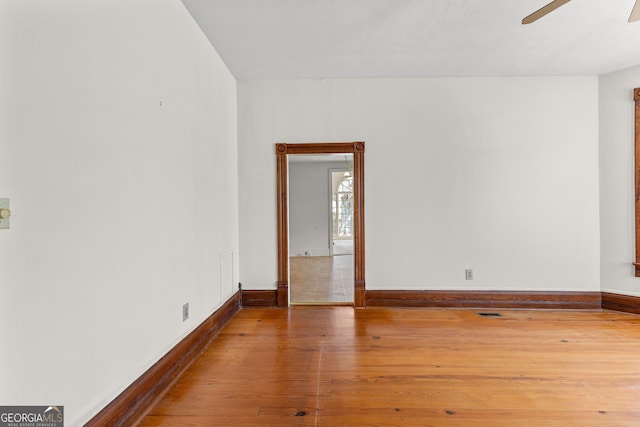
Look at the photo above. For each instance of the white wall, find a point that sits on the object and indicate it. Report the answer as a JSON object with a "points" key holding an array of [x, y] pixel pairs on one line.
{"points": [[617, 189], [118, 149], [495, 174], [309, 207]]}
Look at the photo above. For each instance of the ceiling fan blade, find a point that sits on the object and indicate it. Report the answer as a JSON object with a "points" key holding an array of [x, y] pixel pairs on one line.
{"points": [[544, 10], [635, 13]]}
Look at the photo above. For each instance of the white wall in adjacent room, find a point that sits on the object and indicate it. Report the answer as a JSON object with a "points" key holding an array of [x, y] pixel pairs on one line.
{"points": [[309, 207], [499, 175], [118, 151], [617, 191]]}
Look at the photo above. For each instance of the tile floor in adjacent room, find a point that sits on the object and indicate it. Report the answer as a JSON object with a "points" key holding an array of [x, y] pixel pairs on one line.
{"points": [[321, 280]]}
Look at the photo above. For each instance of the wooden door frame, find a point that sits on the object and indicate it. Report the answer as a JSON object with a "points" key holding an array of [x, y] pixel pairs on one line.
{"points": [[282, 194], [636, 99]]}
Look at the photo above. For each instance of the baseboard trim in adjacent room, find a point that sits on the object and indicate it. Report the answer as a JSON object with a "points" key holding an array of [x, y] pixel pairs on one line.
{"points": [[259, 298], [485, 299], [138, 398], [620, 302]]}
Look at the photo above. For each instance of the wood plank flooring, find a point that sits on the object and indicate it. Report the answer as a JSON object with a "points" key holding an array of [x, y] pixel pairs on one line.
{"points": [[337, 366]]}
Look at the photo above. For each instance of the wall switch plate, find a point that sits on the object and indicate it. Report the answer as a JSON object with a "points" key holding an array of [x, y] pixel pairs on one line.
{"points": [[4, 208], [468, 274], [185, 311]]}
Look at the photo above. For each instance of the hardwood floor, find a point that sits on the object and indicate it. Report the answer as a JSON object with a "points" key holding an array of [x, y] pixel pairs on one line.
{"points": [[337, 366]]}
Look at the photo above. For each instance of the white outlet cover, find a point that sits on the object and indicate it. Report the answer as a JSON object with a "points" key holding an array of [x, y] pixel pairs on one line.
{"points": [[185, 311]]}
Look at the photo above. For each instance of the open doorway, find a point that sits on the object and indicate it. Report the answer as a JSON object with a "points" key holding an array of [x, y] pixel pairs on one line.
{"points": [[355, 223], [321, 264]]}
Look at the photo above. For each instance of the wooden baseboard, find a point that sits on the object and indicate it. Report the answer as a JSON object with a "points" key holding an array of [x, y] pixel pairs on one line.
{"points": [[485, 299], [259, 298], [136, 399], [619, 302]]}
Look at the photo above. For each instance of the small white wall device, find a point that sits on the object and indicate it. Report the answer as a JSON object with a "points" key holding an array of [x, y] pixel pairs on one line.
{"points": [[5, 213]]}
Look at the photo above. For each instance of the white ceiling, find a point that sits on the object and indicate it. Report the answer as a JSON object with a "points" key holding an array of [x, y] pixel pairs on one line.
{"points": [[290, 39]]}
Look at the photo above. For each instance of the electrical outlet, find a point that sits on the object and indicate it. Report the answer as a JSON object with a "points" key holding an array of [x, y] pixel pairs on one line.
{"points": [[185, 311], [5, 213], [468, 274]]}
